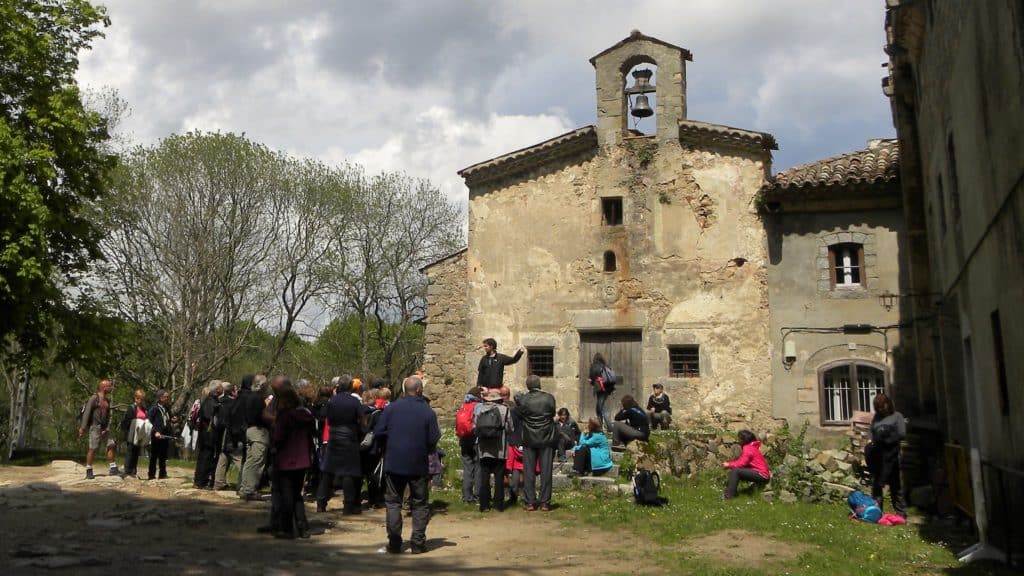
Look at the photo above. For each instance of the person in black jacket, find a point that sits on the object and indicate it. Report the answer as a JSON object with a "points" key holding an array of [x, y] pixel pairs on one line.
{"points": [[491, 371], [631, 423], [257, 439], [229, 435], [410, 434], [659, 408], [206, 443], [345, 418], [882, 454], [537, 410], [163, 424], [602, 389]]}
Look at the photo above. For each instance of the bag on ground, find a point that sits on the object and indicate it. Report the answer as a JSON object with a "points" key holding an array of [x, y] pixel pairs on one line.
{"points": [[863, 507], [646, 487]]}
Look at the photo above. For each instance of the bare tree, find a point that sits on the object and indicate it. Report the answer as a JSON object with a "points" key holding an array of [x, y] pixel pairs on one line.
{"points": [[314, 203], [190, 239], [399, 225]]}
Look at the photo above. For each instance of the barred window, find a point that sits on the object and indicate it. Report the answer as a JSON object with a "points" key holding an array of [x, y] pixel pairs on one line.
{"points": [[684, 361], [849, 387], [542, 361]]}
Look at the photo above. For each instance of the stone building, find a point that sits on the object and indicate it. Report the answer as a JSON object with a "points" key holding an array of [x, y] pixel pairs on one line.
{"points": [[955, 85], [834, 231], [659, 251]]}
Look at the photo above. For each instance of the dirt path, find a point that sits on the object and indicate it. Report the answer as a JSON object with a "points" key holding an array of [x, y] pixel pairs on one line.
{"points": [[54, 521]]}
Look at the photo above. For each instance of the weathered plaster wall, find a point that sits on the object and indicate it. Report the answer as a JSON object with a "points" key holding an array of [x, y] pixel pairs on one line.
{"points": [[691, 269], [445, 340], [800, 296]]}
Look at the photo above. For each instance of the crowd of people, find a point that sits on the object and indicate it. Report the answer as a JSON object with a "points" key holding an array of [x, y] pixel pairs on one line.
{"points": [[307, 442]]}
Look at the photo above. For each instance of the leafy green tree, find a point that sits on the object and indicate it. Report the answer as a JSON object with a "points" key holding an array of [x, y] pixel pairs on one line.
{"points": [[53, 165]]}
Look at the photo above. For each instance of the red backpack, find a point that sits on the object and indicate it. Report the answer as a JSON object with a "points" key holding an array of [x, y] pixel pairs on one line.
{"points": [[464, 420]]}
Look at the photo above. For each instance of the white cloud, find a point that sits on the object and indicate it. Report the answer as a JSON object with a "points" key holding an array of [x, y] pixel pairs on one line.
{"points": [[433, 87]]}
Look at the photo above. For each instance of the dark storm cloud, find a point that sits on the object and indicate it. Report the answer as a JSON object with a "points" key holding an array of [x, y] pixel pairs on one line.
{"points": [[457, 45]]}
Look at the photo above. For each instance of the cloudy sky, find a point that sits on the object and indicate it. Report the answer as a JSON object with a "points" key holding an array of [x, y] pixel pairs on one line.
{"points": [[432, 86]]}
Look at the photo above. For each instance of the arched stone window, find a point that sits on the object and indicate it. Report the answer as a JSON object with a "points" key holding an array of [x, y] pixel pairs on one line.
{"points": [[609, 261], [846, 264], [848, 386]]}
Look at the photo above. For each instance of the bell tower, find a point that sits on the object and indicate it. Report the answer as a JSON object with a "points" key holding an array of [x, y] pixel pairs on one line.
{"points": [[618, 103]]}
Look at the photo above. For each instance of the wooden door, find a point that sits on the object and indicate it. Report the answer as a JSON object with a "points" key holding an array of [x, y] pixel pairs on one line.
{"points": [[622, 352]]}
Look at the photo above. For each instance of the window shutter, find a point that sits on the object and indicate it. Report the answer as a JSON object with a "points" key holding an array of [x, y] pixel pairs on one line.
{"points": [[831, 268], [860, 262]]}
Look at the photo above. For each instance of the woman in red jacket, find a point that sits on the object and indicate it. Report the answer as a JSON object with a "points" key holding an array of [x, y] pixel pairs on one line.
{"points": [[750, 466]]}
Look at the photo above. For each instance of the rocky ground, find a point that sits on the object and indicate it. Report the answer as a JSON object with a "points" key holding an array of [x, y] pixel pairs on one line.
{"points": [[52, 520]]}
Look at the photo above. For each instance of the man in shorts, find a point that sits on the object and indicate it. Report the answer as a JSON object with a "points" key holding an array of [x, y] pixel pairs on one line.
{"points": [[96, 420]]}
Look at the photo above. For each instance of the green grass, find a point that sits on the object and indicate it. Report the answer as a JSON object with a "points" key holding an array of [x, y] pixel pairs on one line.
{"points": [[833, 543]]}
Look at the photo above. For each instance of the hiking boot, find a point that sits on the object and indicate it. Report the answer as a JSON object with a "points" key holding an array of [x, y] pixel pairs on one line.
{"points": [[115, 471], [321, 507], [88, 474], [417, 549], [531, 508], [545, 508]]}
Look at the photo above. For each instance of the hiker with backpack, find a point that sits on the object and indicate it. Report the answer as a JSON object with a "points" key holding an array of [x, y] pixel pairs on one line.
{"points": [[491, 370], [467, 443], [602, 380], [882, 453], [750, 466], [631, 423], [95, 419], [592, 455], [491, 423]]}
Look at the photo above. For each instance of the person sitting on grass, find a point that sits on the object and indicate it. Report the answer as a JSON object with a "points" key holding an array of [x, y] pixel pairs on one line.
{"points": [[591, 455], [631, 423], [750, 466]]}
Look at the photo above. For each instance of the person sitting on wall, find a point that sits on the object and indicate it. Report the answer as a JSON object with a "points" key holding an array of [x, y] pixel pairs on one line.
{"points": [[631, 423], [591, 455], [659, 408], [750, 466], [568, 432]]}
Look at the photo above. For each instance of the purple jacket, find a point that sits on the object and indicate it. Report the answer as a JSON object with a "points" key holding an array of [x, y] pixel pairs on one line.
{"points": [[293, 439]]}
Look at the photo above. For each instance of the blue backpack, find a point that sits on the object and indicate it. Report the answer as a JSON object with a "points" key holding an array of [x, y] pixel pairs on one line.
{"points": [[863, 507]]}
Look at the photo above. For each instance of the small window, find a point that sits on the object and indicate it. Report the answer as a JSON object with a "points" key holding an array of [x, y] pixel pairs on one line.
{"points": [[611, 211], [849, 387], [684, 361], [542, 361], [609, 261], [846, 265]]}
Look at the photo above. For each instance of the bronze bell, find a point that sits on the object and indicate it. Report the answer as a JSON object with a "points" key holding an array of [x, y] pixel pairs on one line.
{"points": [[642, 108]]}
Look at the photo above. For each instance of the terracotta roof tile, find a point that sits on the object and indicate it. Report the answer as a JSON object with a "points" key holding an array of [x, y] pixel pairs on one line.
{"points": [[878, 163]]}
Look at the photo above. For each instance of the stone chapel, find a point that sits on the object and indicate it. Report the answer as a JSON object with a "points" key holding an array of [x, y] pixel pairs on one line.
{"points": [[653, 249]]}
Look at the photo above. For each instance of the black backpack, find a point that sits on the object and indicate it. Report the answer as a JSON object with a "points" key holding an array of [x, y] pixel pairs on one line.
{"points": [[489, 423], [646, 485]]}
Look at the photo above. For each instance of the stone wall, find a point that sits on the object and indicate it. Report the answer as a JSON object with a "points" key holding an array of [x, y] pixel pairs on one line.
{"points": [[445, 344], [798, 472]]}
